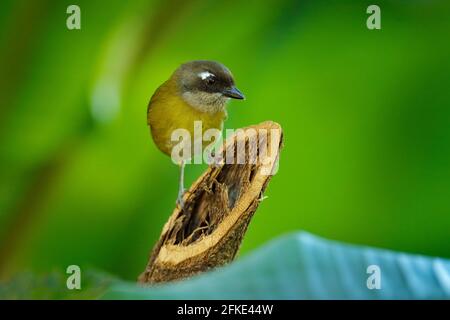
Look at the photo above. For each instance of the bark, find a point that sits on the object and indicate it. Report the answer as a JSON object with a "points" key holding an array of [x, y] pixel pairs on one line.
{"points": [[218, 208]]}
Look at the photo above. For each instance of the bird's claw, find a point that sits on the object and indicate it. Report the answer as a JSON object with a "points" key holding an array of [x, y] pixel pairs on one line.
{"points": [[262, 197], [180, 200], [214, 162]]}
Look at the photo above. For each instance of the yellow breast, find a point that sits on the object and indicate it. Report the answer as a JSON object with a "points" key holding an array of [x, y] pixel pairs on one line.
{"points": [[167, 111]]}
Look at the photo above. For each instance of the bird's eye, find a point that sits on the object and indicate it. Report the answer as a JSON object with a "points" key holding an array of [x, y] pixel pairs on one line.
{"points": [[210, 80]]}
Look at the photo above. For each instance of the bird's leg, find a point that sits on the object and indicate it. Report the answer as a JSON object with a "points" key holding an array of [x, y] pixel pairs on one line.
{"points": [[181, 190]]}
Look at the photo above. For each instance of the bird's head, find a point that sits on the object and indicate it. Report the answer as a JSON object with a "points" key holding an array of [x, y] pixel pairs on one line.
{"points": [[206, 85]]}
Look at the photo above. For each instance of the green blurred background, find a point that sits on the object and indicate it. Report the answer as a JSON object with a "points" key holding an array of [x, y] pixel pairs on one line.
{"points": [[366, 116]]}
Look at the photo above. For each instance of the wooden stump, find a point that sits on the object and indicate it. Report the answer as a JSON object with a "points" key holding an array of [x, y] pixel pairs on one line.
{"points": [[218, 207]]}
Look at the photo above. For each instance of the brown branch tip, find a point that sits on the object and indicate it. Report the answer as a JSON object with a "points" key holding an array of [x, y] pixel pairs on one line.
{"points": [[218, 207]]}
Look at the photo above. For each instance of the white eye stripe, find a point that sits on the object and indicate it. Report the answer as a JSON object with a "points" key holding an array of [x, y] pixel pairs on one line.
{"points": [[205, 74]]}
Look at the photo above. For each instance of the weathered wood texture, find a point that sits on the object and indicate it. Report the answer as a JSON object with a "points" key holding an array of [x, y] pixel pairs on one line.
{"points": [[218, 207]]}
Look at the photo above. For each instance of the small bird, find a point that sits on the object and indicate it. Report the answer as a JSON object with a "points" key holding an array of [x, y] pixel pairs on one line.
{"points": [[197, 91]]}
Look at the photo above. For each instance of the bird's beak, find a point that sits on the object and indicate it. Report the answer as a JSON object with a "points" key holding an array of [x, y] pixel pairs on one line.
{"points": [[234, 93]]}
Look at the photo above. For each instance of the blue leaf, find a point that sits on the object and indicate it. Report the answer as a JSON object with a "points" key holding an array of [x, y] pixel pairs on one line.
{"points": [[303, 266]]}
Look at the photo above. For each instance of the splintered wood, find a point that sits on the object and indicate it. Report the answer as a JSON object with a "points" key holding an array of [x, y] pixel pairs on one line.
{"points": [[218, 207]]}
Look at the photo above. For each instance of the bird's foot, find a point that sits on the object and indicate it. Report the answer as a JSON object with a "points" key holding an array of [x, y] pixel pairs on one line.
{"points": [[215, 162], [180, 200], [262, 197]]}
